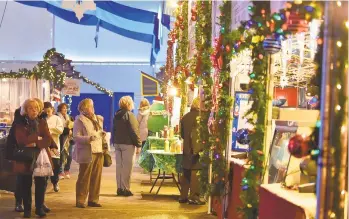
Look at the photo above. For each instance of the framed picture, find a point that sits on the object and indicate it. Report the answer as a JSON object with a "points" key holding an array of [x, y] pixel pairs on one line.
{"points": [[279, 156], [240, 124]]}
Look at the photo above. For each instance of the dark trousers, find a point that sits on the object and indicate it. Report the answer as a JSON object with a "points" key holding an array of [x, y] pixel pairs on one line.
{"points": [[190, 180], [56, 167], [19, 192], [40, 188], [68, 157]]}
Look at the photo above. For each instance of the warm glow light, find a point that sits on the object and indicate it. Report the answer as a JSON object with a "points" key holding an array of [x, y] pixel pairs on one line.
{"points": [[347, 24], [339, 86], [173, 3], [339, 43], [189, 80], [4, 79], [172, 91], [338, 107], [343, 129], [339, 3]]}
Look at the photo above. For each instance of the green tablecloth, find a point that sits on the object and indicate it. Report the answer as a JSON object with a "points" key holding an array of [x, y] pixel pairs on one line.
{"points": [[167, 163]]}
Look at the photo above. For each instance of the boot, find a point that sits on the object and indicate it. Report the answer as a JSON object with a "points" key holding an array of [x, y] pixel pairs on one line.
{"points": [[45, 208], [40, 212]]}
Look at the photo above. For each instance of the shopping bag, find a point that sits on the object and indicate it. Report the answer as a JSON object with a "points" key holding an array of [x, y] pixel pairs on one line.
{"points": [[43, 165]]}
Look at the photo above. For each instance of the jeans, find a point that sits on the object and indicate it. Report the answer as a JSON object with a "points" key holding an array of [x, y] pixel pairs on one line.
{"points": [[19, 192], [56, 168], [68, 158], [40, 188]]}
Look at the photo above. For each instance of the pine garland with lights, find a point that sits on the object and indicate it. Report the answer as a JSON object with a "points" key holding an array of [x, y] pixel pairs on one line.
{"points": [[253, 32], [182, 53], [46, 71], [202, 68]]}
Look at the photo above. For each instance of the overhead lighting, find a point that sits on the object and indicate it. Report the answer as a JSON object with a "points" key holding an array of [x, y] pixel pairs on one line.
{"points": [[173, 91]]}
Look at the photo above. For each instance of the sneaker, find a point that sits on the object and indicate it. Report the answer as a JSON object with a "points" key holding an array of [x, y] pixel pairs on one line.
{"points": [[94, 205], [56, 187], [61, 176], [120, 192], [127, 193], [46, 209], [67, 174], [19, 208], [40, 212]]}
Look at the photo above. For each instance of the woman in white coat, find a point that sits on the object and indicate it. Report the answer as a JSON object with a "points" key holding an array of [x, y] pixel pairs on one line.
{"points": [[55, 125]]}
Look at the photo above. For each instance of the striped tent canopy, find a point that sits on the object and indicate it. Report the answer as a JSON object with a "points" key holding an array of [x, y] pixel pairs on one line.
{"points": [[119, 18]]}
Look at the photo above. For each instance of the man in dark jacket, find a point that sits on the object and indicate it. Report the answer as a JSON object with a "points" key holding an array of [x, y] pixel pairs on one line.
{"points": [[126, 140], [191, 149]]}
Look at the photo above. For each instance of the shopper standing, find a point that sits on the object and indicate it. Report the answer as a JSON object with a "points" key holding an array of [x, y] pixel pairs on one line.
{"points": [[191, 149], [32, 132], [88, 153], [126, 140], [66, 141], [142, 118], [55, 125]]}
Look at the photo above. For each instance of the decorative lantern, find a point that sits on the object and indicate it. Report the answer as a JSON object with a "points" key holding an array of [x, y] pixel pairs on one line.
{"points": [[271, 45], [297, 23]]}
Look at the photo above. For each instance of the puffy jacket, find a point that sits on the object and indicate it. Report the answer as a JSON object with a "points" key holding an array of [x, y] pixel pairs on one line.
{"points": [[126, 128], [142, 118]]}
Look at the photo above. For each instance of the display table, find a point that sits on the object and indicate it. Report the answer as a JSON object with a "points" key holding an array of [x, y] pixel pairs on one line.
{"points": [[167, 162], [276, 201], [154, 157], [147, 160]]}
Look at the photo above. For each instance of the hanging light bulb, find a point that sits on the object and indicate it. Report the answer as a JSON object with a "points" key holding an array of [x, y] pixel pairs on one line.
{"points": [[172, 91]]}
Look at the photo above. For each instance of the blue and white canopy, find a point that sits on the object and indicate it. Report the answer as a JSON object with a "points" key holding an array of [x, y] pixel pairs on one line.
{"points": [[134, 23]]}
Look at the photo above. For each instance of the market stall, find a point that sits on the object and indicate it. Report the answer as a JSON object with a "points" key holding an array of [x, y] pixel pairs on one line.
{"points": [[162, 151]]}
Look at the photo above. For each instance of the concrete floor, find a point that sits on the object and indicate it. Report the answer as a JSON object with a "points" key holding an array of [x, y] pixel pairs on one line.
{"points": [[142, 205]]}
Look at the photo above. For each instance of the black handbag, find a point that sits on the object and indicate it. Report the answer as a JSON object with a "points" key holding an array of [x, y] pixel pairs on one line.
{"points": [[25, 154], [107, 159]]}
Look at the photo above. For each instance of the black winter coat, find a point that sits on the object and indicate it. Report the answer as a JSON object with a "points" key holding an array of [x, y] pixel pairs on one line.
{"points": [[126, 128]]}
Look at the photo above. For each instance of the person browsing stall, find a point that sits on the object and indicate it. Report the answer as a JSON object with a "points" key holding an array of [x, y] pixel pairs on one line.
{"points": [[88, 153]]}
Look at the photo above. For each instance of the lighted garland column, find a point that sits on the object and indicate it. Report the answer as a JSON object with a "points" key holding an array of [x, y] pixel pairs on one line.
{"points": [[333, 160]]}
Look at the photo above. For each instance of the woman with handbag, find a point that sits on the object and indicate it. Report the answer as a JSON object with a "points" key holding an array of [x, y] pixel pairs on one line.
{"points": [[126, 140], [88, 153], [33, 136]]}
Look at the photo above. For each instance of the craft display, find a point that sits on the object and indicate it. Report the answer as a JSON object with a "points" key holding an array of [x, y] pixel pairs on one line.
{"points": [[158, 117]]}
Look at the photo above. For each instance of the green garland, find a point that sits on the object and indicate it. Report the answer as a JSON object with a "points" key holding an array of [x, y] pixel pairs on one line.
{"points": [[44, 70], [202, 69]]}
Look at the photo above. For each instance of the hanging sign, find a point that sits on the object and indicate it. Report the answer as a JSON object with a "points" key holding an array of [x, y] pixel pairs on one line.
{"points": [[71, 87], [241, 126]]}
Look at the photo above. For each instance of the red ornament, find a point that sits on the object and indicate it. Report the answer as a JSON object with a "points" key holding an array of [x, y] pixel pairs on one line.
{"points": [[180, 18], [220, 62], [227, 48], [298, 146], [193, 18], [297, 23], [176, 24], [193, 10], [182, 27]]}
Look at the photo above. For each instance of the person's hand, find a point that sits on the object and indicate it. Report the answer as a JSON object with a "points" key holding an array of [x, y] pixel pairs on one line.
{"points": [[55, 151], [32, 145], [138, 150], [39, 138], [93, 138]]}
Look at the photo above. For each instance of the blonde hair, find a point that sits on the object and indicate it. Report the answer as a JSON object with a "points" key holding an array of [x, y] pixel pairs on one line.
{"points": [[196, 104], [126, 103], [40, 103], [84, 104], [144, 103], [24, 107]]}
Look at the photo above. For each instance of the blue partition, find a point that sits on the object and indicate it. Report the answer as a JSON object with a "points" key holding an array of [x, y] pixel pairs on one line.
{"points": [[102, 104]]}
